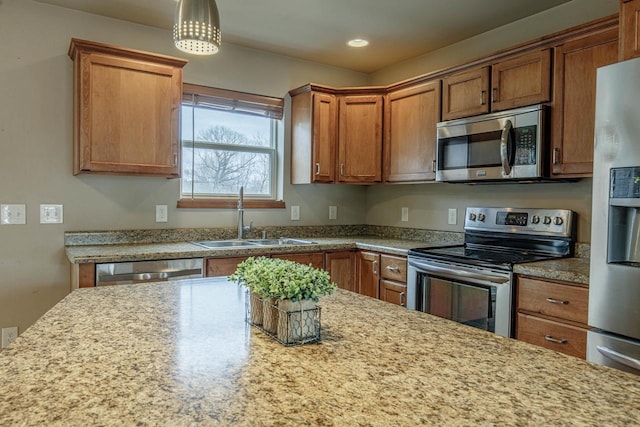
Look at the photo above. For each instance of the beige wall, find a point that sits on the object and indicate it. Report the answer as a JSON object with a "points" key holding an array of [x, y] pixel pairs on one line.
{"points": [[36, 145], [36, 148]]}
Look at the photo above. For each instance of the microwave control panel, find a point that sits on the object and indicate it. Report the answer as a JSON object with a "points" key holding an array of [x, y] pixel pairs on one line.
{"points": [[525, 141]]}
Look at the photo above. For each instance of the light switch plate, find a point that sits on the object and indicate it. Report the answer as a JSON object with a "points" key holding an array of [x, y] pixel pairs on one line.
{"points": [[453, 216], [13, 214], [162, 213], [295, 213], [333, 212], [405, 214], [51, 214]]}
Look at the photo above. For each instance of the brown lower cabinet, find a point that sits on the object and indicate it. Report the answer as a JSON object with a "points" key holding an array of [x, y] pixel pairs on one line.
{"points": [[316, 259], [341, 266], [552, 314], [382, 276], [226, 266], [395, 293]]}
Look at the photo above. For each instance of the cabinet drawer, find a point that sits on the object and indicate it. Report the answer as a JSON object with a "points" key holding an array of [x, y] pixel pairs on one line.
{"points": [[222, 266], [395, 293], [393, 268], [557, 336], [553, 299]]}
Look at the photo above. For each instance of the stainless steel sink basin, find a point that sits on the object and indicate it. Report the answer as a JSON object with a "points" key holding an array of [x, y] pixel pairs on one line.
{"points": [[213, 244], [281, 241]]}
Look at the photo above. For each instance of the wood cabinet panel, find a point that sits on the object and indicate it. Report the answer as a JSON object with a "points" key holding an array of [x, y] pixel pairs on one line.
{"points": [[360, 139], [393, 268], [629, 29], [314, 130], [342, 269], [222, 266], [83, 275], [465, 94], [411, 116], [553, 299], [573, 108], [523, 80], [316, 259], [395, 293], [127, 111], [368, 273], [557, 336]]}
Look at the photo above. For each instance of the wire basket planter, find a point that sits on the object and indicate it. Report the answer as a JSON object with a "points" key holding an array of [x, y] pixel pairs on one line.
{"points": [[289, 323]]}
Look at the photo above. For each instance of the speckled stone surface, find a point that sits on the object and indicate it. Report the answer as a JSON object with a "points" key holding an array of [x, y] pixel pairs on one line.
{"points": [[180, 354], [574, 270], [151, 251]]}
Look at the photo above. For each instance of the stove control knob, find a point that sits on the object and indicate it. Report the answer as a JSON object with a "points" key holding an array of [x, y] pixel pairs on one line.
{"points": [[558, 220], [546, 220], [535, 219], [480, 217], [472, 216]]}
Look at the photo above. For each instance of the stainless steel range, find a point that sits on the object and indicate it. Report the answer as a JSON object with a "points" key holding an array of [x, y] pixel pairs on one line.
{"points": [[473, 283]]}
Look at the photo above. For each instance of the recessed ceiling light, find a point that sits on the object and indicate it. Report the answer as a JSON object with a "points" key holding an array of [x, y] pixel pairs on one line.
{"points": [[358, 43]]}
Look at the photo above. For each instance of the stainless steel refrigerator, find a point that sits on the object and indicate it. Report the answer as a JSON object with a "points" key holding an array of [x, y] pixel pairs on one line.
{"points": [[614, 288]]}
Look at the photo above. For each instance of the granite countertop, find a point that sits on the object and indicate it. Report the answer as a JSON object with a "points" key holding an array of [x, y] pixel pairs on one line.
{"points": [[180, 353], [575, 270], [149, 251]]}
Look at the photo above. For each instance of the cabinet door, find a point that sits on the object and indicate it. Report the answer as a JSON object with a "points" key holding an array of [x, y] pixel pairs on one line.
{"points": [[393, 268], [368, 273], [360, 139], [395, 293], [465, 94], [127, 116], [342, 269], [523, 80], [325, 115], [574, 103], [629, 29], [222, 266], [316, 259], [411, 116]]}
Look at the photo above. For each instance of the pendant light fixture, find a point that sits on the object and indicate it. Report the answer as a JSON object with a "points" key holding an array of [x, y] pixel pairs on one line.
{"points": [[196, 27]]}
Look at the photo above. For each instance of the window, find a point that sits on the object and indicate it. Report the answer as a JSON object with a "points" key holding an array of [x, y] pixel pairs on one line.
{"points": [[229, 140]]}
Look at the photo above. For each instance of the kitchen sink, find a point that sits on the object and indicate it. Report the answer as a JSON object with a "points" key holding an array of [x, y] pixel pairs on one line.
{"points": [[281, 241], [213, 244]]}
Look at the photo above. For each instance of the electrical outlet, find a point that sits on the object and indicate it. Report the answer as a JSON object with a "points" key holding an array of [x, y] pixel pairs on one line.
{"points": [[8, 335], [333, 212], [405, 214], [162, 214], [453, 216], [295, 213]]}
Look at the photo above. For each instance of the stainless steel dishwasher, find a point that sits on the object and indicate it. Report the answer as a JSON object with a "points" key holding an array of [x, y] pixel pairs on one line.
{"points": [[122, 273]]}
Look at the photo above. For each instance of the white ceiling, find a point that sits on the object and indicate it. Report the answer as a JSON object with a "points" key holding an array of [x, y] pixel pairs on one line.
{"points": [[317, 30]]}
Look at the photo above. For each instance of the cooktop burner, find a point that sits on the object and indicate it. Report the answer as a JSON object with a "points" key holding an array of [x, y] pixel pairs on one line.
{"points": [[502, 258]]}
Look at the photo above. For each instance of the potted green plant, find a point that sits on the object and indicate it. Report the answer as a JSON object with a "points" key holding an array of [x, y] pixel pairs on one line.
{"points": [[289, 292]]}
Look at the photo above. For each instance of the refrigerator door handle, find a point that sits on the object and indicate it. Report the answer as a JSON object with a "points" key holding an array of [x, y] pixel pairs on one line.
{"points": [[619, 357]]}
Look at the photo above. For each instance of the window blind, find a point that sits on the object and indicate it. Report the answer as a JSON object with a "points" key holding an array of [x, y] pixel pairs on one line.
{"points": [[232, 101]]}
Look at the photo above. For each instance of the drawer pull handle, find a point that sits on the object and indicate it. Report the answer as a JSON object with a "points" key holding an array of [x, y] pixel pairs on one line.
{"points": [[555, 340], [557, 301], [317, 168], [401, 299], [392, 268], [374, 270]]}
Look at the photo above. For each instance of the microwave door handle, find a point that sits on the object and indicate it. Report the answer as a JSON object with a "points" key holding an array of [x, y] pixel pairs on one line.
{"points": [[504, 147]]}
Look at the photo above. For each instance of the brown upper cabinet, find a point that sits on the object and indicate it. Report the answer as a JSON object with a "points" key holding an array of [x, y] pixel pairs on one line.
{"points": [[126, 110], [574, 100], [629, 29], [410, 120], [360, 138], [314, 117], [514, 82]]}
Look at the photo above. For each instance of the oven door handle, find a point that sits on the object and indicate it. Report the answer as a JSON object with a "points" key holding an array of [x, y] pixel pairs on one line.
{"points": [[459, 272], [504, 147]]}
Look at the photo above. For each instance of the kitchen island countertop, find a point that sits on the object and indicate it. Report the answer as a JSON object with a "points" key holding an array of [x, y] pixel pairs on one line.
{"points": [[180, 353]]}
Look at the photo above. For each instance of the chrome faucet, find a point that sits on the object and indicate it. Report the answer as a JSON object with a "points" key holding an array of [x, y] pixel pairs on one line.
{"points": [[241, 227]]}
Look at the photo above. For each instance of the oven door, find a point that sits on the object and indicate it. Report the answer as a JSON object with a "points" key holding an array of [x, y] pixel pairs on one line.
{"points": [[477, 297]]}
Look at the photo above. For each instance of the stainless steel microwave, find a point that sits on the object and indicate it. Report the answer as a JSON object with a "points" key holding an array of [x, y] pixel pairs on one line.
{"points": [[508, 145]]}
